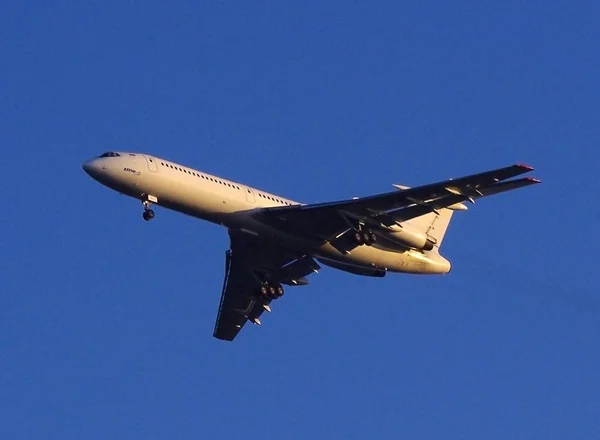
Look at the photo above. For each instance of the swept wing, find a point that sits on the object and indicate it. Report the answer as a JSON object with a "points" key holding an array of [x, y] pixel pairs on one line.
{"points": [[250, 261], [326, 221]]}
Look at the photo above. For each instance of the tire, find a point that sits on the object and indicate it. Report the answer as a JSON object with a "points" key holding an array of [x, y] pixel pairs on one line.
{"points": [[358, 238], [367, 239]]}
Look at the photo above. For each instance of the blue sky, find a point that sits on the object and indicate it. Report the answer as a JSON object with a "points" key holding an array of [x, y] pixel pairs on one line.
{"points": [[106, 321]]}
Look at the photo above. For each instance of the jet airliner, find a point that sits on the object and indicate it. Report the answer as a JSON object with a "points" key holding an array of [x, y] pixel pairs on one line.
{"points": [[276, 242]]}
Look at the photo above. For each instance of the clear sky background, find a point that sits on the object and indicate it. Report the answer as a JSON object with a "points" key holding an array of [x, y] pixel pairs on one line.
{"points": [[106, 321]]}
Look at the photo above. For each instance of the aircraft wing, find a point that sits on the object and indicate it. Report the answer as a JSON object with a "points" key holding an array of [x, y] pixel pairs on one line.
{"points": [[326, 221], [249, 261]]}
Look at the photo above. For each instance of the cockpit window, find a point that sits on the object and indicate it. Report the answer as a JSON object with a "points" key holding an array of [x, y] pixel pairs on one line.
{"points": [[110, 154]]}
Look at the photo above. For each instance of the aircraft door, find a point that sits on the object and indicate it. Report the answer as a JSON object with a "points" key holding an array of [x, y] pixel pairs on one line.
{"points": [[151, 162], [250, 195]]}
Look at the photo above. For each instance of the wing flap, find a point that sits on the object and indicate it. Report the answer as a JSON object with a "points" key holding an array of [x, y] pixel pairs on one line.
{"points": [[295, 271], [413, 211]]}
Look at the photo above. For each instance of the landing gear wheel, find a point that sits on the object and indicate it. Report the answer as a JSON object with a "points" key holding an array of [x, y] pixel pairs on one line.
{"points": [[271, 291], [358, 237], [148, 215], [367, 239], [373, 237]]}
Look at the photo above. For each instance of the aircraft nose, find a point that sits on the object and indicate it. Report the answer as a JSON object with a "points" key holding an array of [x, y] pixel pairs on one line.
{"points": [[91, 167]]}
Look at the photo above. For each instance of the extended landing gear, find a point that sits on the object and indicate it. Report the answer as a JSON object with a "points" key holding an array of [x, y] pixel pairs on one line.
{"points": [[364, 236], [271, 291], [148, 213], [267, 293]]}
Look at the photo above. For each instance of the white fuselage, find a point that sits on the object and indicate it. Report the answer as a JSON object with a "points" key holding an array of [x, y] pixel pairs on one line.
{"points": [[229, 204]]}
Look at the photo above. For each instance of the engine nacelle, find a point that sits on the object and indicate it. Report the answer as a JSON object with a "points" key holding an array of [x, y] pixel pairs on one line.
{"points": [[408, 236]]}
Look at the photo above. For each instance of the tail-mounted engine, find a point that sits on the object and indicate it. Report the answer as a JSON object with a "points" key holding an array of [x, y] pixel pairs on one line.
{"points": [[408, 236]]}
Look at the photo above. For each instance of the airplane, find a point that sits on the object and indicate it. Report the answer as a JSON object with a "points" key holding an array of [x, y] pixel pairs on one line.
{"points": [[275, 241]]}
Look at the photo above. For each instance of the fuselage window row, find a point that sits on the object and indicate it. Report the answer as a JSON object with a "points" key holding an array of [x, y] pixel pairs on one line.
{"points": [[199, 175]]}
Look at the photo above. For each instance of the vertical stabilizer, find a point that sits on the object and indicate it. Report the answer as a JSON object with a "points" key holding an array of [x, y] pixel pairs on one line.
{"points": [[435, 225]]}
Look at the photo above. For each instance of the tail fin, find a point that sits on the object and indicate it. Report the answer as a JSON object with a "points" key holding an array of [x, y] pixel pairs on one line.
{"points": [[434, 225]]}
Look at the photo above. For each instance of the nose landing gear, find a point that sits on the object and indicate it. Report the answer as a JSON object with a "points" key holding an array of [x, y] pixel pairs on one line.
{"points": [[148, 213]]}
